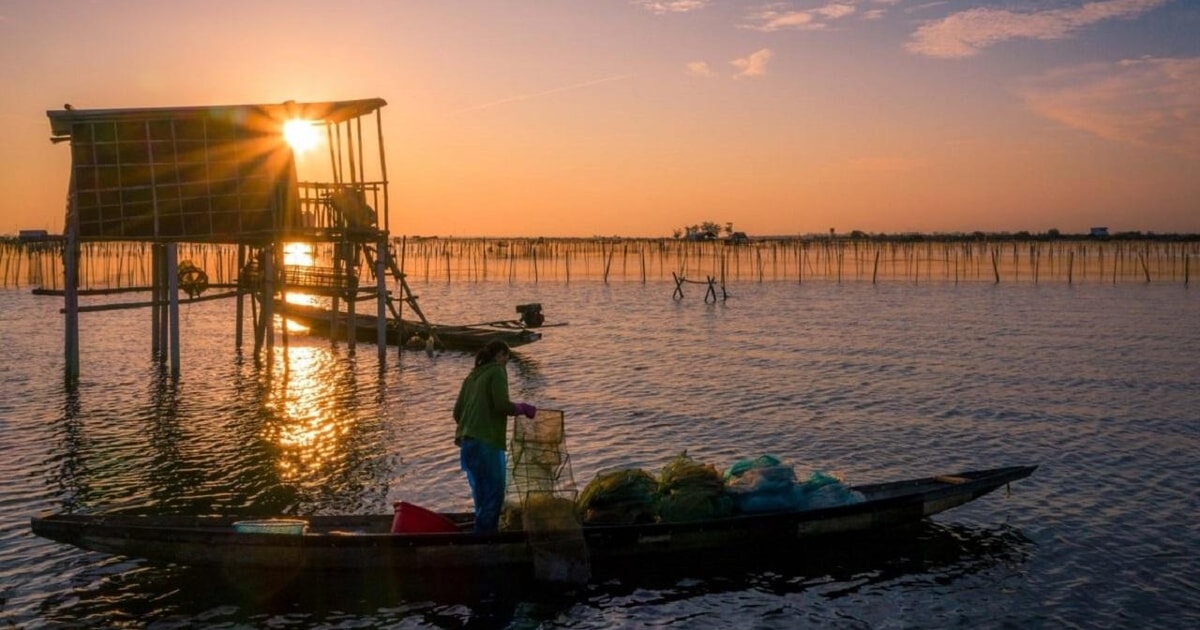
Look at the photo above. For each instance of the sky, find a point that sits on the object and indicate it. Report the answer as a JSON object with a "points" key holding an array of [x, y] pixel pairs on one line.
{"points": [[639, 117]]}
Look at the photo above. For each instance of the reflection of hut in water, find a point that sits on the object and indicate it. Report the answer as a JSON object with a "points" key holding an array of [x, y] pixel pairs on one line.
{"points": [[227, 175]]}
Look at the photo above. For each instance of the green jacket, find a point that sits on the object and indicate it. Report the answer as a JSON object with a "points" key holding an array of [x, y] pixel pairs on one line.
{"points": [[482, 408]]}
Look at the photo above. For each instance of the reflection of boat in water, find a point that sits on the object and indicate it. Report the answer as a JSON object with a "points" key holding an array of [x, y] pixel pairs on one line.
{"points": [[413, 333], [365, 542]]}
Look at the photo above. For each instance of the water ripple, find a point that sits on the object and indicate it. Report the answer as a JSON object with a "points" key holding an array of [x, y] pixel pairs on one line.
{"points": [[1098, 384]]}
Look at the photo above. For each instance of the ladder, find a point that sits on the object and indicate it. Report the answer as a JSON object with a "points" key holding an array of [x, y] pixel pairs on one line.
{"points": [[406, 294]]}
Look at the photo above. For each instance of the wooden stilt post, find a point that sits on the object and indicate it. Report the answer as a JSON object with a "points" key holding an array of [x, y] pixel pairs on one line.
{"points": [[398, 272], [158, 296], [381, 297], [350, 253], [268, 301], [164, 313], [173, 304], [71, 290], [282, 306], [241, 296]]}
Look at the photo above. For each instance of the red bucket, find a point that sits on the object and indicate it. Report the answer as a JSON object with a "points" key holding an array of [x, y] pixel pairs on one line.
{"points": [[414, 519]]}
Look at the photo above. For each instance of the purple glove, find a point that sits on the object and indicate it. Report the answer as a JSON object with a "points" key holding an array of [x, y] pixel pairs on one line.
{"points": [[526, 410]]}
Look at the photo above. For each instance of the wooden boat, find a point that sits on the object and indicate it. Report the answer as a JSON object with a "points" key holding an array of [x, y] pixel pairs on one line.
{"points": [[365, 542], [413, 333]]}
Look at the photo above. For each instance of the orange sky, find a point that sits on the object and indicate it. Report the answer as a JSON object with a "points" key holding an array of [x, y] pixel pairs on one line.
{"points": [[614, 117]]}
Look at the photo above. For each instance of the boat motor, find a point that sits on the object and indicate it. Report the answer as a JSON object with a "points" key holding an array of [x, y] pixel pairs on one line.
{"points": [[531, 315]]}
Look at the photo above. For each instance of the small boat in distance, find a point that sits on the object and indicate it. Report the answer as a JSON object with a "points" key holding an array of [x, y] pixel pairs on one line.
{"points": [[366, 542], [419, 334]]}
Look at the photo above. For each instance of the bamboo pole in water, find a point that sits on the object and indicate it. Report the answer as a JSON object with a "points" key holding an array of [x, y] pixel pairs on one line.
{"points": [[1116, 264], [1035, 255], [108, 265]]}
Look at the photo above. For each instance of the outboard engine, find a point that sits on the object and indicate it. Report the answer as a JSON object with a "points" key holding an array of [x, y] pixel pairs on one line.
{"points": [[531, 315]]}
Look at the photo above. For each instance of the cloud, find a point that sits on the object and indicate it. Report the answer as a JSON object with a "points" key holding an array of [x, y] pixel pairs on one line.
{"points": [[1147, 102], [786, 20], [783, 16], [754, 65], [671, 6], [699, 69], [965, 33]]}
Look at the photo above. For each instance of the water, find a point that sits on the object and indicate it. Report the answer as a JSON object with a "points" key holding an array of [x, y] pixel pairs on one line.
{"points": [[1099, 384]]}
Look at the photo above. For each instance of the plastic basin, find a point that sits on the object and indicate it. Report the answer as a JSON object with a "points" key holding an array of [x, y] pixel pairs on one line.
{"points": [[293, 526], [414, 519]]}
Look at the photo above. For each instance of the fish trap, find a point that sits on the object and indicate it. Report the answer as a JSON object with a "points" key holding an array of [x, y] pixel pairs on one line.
{"points": [[545, 487], [540, 463]]}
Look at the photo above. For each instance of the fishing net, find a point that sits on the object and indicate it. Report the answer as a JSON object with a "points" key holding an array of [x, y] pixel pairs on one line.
{"points": [[541, 478], [620, 497], [764, 484], [691, 491]]}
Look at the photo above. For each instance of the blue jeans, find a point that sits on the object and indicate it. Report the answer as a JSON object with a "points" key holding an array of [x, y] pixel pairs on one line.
{"points": [[486, 468]]}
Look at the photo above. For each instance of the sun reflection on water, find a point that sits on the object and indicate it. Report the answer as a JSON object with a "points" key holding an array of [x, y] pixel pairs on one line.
{"points": [[310, 428]]}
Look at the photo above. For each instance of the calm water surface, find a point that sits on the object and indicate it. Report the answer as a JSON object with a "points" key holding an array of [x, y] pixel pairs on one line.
{"points": [[1099, 384]]}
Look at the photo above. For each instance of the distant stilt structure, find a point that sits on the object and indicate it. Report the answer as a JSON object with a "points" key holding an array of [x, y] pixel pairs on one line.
{"points": [[198, 177]]}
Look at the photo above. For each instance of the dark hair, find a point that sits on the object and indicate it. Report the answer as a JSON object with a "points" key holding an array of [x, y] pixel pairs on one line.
{"points": [[488, 353]]}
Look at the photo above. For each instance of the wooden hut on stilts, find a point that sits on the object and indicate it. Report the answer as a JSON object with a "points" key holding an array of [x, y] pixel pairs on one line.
{"points": [[228, 175]]}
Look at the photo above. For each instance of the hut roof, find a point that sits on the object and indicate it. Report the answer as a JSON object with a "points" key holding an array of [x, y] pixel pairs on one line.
{"points": [[331, 111]]}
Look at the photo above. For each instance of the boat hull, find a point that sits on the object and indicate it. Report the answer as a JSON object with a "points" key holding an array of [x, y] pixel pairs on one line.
{"points": [[405, 332], [365, 542]]}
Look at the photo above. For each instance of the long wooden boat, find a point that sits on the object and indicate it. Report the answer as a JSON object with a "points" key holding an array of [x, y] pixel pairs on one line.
{"points": [[413, 333], [365, 542]]}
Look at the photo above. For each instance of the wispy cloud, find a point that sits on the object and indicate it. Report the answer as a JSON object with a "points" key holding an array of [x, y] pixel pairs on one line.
{"points": [[525, 97], [965, 33], [786, 16], [699, 69], [670, 6], [1148, 102], [753, 65]]}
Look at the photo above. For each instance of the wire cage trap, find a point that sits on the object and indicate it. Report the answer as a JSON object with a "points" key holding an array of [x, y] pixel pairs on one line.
{"points": [[542, 479]]}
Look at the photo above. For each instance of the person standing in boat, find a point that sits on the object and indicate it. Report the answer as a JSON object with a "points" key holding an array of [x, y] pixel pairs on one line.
{"points": [[481, 414]]}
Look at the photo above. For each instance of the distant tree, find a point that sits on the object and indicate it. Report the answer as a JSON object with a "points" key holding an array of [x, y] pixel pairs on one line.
{"points": [[1052, 233], [710, 228]]}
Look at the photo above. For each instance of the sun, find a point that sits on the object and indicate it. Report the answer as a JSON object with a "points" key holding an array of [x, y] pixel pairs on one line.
{"points": [[301, 134]]}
